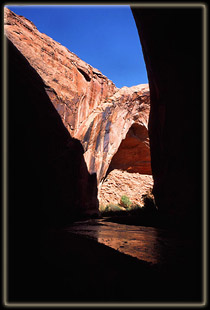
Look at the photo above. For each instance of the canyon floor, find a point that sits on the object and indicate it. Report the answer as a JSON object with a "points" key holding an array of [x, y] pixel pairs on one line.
{"points": [[97, 261]]}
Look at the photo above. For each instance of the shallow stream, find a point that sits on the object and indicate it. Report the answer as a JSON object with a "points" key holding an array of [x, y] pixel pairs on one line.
{"points": [[153, 245]]}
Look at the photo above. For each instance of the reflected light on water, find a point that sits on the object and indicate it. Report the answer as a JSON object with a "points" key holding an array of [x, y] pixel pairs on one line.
{"points": [[140, 242], [153, 245]]}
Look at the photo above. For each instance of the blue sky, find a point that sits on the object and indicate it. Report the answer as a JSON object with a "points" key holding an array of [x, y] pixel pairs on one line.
{"points": [[103, 36]]}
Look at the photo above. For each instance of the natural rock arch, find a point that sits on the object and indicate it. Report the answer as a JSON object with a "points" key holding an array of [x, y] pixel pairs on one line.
{"points": [[129, 172], [106, 127], [133, 154]]}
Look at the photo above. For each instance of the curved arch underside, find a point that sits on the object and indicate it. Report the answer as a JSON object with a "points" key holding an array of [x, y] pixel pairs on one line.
{"points": [[133, 154]]}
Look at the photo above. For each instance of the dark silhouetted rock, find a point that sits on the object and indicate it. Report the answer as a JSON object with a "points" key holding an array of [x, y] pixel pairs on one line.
{"points": [[172, 44], [49, 177]]}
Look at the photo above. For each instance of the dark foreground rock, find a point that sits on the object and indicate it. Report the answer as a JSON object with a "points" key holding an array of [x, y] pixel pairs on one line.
{"points": [[172, 45], [73, 268], [49, 180], [49, 184]]}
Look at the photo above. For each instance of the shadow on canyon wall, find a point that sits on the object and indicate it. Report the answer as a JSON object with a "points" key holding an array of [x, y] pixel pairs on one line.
{"points": [[49, 184]]}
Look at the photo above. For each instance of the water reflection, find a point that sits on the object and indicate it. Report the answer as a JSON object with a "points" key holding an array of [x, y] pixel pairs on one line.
{"points": [[153, 245], [138, 241]]}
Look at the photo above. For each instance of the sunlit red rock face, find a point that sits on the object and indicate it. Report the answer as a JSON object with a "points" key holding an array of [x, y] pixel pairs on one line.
{"points": [[115, 135], [74, 87], [107, 120]]}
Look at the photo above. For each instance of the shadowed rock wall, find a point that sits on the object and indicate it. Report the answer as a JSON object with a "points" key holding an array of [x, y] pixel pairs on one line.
{"points": [[172, 45], [48, 181], [49, 178]]}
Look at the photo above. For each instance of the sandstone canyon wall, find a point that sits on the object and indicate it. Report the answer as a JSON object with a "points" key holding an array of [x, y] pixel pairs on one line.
{"points": [[115, 131], [74, 87], [172, 45], [48, 182], [49, 177], [111, 123]]}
